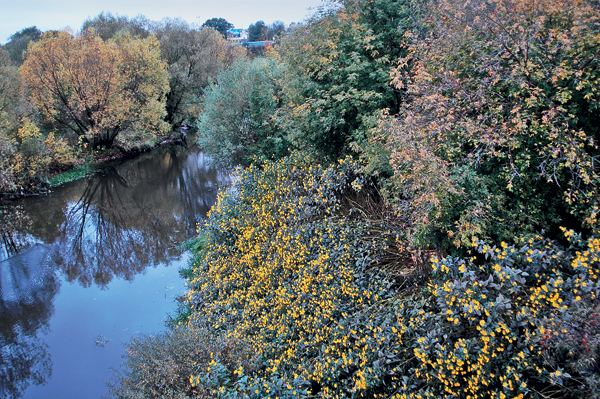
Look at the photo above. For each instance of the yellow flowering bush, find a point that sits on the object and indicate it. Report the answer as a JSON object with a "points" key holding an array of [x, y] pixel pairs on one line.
{"points": [[512, 321], [291, 295], [284, 273]]}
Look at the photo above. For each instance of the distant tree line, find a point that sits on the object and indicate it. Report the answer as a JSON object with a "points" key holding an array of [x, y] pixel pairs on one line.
{"points": [[119, 83]]}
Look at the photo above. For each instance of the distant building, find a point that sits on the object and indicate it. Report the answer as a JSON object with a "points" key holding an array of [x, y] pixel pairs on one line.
{"points": [[237, 34]]}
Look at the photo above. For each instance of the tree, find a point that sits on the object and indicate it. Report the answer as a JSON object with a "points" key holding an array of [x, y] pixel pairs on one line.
{"points": [[500, 132], [219, 24], [26, 155], [194, 57], [237, 123], [10, 93], [104, 92], [257, 31], [17, 43], [340, 64], [107, 25], [275, 30]]}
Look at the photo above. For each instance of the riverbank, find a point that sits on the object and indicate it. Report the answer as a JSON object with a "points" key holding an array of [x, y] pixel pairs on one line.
{"points": [[91, 164], [302, 286]]}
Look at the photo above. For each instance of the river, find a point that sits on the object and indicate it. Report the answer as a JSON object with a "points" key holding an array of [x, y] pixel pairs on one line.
{"points": [[93, 263]]}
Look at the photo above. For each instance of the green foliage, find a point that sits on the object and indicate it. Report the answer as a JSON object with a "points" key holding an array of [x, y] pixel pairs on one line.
{"points": [[257, 32], [76, 173], [13, 100], [499, 136], [512, 321], [238, 123], [275, 30], [219, 24], [7, 178], [18, 42], [38, 155], [340, 65], [27, 155]]}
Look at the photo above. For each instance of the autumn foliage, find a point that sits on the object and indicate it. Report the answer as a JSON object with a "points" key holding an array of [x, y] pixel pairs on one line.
{"points": [[491, 151], [499, 131], [104, 92]]}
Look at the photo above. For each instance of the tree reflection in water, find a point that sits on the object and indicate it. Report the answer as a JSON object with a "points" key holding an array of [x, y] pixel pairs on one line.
{"points": [[135, 216], [27, 289], [13, 224], [117, 224]]}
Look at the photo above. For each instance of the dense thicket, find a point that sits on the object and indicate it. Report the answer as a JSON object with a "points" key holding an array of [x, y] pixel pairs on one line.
{"points": [[341, 63], [442, 265], [288, 298], [120, 83], [499, 133]]}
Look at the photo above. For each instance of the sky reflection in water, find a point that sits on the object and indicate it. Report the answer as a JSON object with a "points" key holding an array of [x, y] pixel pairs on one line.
{"points": [[87, 266]]}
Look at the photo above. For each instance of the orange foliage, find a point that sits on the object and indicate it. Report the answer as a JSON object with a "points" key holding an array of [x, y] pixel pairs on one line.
{"points": [[98, 90], [503, 95]]}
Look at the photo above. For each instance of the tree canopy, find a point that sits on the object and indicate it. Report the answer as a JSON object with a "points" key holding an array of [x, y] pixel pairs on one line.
{"points": [[238, 123], [104, 92], [221, 25], [107, 25], [342, 60], [193, 57], [257, 31], [17, 43]]}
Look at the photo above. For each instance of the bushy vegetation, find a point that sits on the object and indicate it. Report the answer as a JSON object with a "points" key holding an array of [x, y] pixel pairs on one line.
{"points": [[444, 264], [27, 155], [238, 122], [498, 135], [284, 281]]}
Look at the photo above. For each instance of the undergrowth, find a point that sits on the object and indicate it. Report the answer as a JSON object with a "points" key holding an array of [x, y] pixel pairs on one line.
{"points": [[288, 299], [77, 173]]}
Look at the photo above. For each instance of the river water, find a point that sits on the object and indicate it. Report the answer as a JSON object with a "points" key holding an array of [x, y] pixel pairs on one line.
{"points": [[88, 266]]}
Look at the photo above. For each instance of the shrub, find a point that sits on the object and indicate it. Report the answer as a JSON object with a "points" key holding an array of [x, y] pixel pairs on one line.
{"points": [[237, 124], [498, 136], [291, 299], [37, 155]]}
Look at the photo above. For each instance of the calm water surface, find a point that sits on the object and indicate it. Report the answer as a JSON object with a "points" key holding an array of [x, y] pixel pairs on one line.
{"points": [[93, 263]]}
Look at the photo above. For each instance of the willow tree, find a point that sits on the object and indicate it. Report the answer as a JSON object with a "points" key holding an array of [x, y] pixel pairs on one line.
{"points": [[107, 93]]}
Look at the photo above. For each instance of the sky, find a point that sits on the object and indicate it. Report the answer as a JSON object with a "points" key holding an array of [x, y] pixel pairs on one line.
{"points": [[16, 15]]}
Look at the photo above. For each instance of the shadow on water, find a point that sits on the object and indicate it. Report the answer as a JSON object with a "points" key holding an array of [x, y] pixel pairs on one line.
{"points": [[114, 225]]}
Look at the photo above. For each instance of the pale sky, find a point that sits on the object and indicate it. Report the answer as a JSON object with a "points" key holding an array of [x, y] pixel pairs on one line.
{"points": [[16, 15]]}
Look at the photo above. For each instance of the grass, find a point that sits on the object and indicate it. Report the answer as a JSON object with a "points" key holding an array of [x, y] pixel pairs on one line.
{"points": [[77, 173]]}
